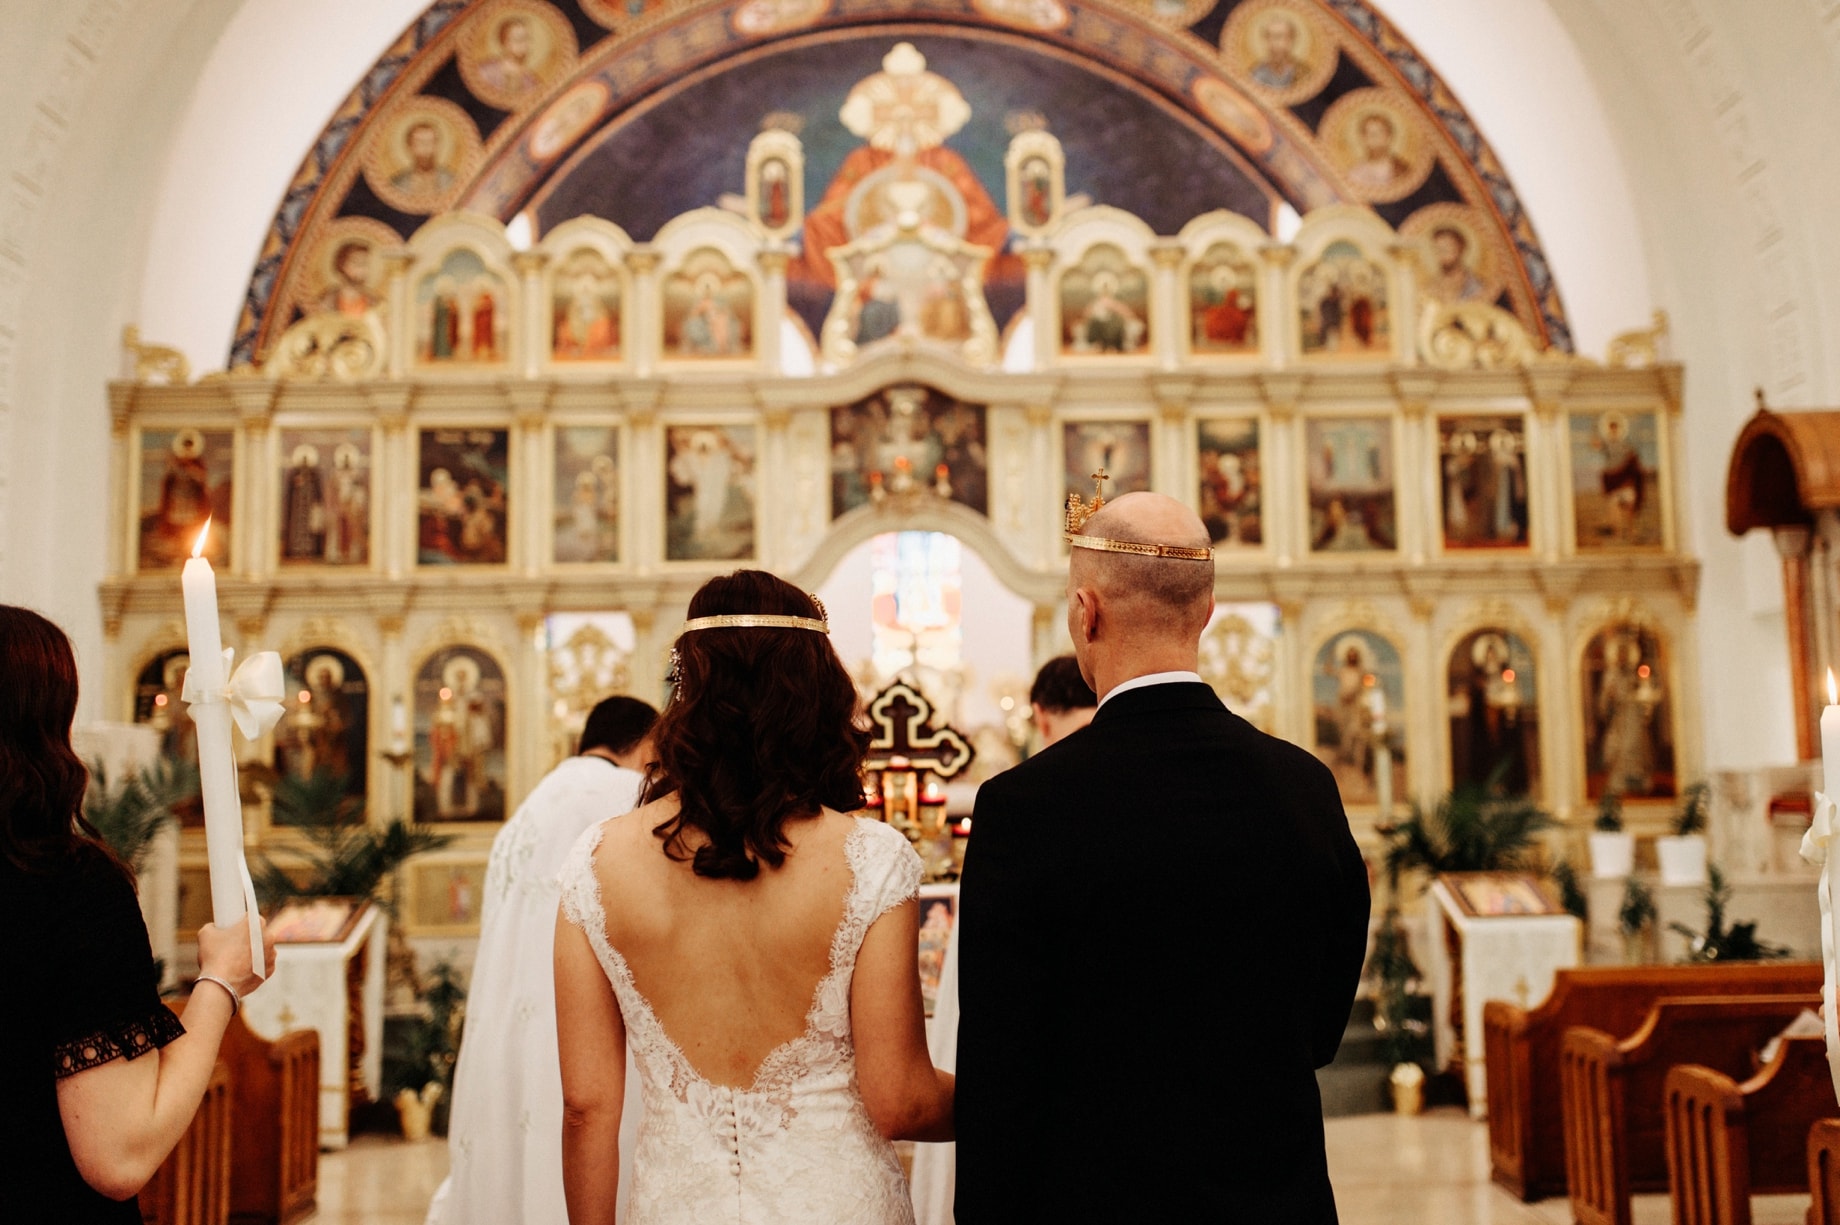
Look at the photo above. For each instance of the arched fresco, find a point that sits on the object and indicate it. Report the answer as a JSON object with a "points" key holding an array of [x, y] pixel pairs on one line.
{"points": [[637, 112]]}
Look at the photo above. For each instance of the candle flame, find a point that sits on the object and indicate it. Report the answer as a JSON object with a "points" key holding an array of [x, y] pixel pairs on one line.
{"points": [[1833, 692], [203, 532], [1507, 676]]}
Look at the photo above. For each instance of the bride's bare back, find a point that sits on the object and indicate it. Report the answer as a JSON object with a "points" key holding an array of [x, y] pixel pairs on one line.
{"points": [[729, 967]]}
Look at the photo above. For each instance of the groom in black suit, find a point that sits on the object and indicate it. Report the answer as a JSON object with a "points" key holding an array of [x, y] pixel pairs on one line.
{"points": [[1167, 917]]}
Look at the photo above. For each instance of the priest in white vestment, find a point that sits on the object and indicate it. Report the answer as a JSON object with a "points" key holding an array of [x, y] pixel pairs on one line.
{"points": [[505, 1132], [1062, 703]]}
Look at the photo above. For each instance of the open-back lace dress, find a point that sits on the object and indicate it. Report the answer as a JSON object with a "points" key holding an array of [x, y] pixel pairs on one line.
{"points": [[794, 1146]]}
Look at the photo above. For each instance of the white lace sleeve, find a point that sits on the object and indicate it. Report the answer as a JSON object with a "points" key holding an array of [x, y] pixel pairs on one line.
{"points": [[891, 870], [581, 888]]}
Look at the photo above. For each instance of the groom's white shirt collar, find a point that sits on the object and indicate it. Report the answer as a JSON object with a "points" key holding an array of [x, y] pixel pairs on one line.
{"points": [[1153, 678]]}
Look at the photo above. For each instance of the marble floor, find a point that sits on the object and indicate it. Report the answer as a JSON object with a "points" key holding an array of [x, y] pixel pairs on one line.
{"points": [[1428, 1170]]}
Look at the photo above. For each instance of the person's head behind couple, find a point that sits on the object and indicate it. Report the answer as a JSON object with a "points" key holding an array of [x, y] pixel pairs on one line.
{"points": [[1131, 614], [761, 728]]}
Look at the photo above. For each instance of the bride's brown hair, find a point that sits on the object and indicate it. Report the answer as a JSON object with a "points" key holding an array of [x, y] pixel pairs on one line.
{"points": [[761, 729]]}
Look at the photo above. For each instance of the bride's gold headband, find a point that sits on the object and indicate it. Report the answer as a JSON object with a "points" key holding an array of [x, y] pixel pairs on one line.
{"points": [[741, 621], [756, 621], [1079, 511]]}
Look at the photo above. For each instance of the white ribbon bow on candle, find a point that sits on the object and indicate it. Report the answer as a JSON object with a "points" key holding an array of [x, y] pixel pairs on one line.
{"points": [[1816, 845], [255, 692], [254, 696]]}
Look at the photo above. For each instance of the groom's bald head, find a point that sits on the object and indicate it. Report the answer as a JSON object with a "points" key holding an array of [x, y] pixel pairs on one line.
{"points": [[1147, 596]]}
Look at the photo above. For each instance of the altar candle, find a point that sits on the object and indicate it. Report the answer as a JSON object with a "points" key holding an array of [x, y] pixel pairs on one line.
{"points": [[399, 725], [223, 808]]}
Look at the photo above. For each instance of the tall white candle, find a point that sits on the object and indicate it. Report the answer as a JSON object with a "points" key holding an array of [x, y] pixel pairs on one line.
{"points": [[223, 808], [1830, 740], [1383, 754]]}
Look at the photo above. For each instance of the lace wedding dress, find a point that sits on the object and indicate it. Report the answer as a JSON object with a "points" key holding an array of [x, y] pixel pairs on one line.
{"points": [[796, 1145]]}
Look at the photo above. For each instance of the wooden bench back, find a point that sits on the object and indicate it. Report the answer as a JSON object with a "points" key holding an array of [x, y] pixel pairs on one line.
{"points": [[1824, 1172], [192, 1186], [277, 1155], [1611, 1090], [1521, 1045], [1727, 1141]]}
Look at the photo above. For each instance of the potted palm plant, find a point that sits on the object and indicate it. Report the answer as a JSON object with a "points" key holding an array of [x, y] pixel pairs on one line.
{"points": [[1636, 920], [1613, 849], [1683, 853]]}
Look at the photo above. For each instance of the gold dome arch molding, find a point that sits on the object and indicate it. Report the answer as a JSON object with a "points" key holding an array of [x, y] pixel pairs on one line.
{"points": [[609, 62]]}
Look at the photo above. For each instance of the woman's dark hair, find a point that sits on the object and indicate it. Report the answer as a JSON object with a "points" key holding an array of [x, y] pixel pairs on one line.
{"points": [[762, 729], [41, 777], [1059, 687]]}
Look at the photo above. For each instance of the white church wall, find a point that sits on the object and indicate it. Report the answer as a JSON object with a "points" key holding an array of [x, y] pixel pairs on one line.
{"points": [[1600, 110]]}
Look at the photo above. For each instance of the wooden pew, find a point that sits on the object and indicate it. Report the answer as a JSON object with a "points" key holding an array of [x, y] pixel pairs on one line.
{"points": [[1526, 1137], [1824, 1172], [192, 1186], [270, 1171], [276, 1086], [1727, 1141], [1610, 1090]]}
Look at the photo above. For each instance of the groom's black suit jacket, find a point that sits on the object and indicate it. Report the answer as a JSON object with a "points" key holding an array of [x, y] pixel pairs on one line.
{"points": [[1165, 919]]}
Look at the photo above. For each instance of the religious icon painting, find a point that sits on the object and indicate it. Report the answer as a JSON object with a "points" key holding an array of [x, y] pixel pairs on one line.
{"points": [[1460, 257], [709, 492], [449, 897], [1357, 689], [325, 497], [459, 737], [708, 309], [909, 442], [585, 510], [510, 51], [345, 270], [1230, 481], [1616, 480], [1281, 48], [462, 503], [1233, 113], [776, 179], [567, 119], [1121, 449], [1038, 15], [324, 731], [1223, 302], [1628, 715], [1350, 475], [1034, 176], [185, 479], [1482, 470], [1342, 306], [159, 704], [586, 304], [938, 912], [1105, 304], [1494, 713], [462, 313], [759, 18], [418, 157], [1381, 148]]}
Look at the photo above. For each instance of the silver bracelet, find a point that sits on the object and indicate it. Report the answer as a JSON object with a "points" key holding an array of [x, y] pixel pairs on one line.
{"points": [[236, 1001]]}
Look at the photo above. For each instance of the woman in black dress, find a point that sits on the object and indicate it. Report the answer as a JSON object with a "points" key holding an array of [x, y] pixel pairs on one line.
{"points": [[98, 1078]]}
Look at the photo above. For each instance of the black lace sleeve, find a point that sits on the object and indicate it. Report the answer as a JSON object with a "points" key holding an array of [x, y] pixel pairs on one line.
{"points": [[105, 1001]]}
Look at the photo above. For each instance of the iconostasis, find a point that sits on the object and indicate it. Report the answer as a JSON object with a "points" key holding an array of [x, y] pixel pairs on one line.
{"points": [[530, 357]]}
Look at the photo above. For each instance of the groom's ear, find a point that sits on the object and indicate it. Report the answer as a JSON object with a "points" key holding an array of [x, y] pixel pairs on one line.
{"points": [[1085, 610]]}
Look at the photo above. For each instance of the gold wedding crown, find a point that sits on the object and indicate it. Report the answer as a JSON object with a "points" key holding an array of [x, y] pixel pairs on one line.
{"points": [[819, 624], [1079, 510]]}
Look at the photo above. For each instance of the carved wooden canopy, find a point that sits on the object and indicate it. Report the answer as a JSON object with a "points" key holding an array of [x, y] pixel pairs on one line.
{"points": [[1784, 467]]}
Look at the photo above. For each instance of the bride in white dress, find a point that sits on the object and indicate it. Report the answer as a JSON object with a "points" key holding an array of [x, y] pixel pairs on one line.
{"points": [[755, 945]]}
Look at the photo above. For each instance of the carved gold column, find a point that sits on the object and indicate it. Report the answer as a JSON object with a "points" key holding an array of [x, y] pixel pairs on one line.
{"points": [[773, 261], [1166, 313], [399, 312], [1043, 312], [1792, 546], [645, 318], [530, 409], [1275, 328], [533, 327]]}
